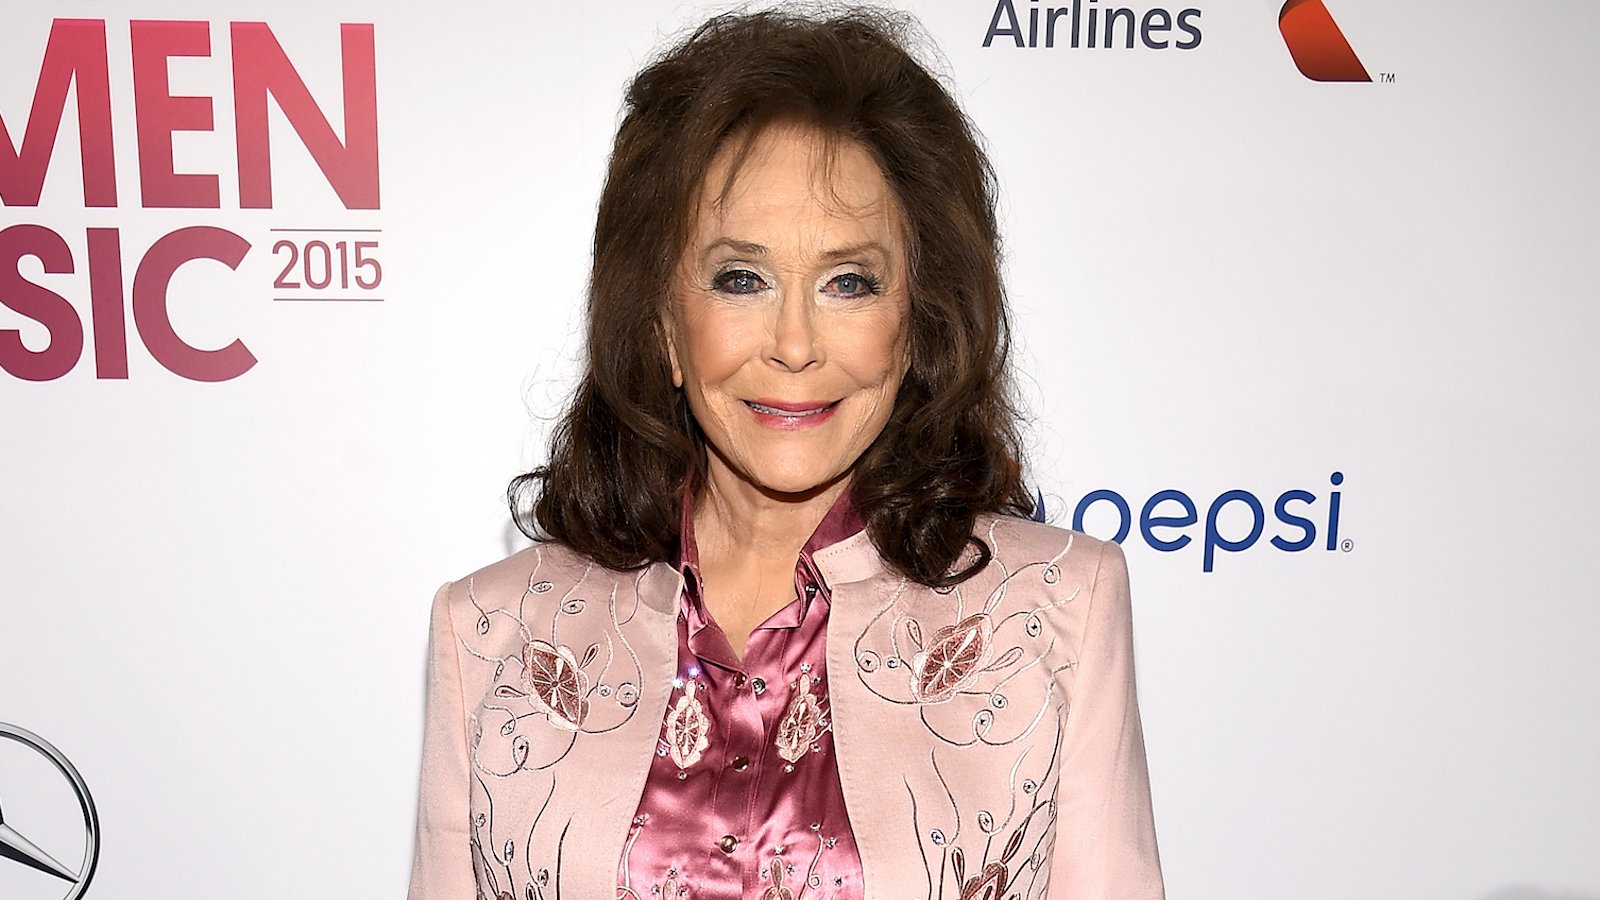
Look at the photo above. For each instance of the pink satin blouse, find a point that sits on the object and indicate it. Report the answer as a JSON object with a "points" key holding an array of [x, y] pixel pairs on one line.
{"points": [[743, 798]]}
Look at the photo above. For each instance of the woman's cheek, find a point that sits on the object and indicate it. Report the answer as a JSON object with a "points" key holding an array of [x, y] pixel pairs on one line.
{"points": [[881, 351], [719, 343]]}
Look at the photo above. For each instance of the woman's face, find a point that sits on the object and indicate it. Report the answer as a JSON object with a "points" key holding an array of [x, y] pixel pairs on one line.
{"points": [[787, 329]]}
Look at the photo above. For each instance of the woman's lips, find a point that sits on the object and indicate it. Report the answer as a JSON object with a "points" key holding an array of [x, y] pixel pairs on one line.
{"points": [[790, 415]]}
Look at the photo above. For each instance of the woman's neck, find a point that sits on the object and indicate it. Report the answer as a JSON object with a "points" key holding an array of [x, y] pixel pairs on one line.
{"points": [[737, 521]]}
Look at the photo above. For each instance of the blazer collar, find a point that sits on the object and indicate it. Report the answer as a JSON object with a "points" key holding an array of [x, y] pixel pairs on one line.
{"points": [[659, 586], [852, 559]]}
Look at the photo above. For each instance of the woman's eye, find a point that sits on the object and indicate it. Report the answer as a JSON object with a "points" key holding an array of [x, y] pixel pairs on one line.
{"points": [[852, 284], [739, 281]]}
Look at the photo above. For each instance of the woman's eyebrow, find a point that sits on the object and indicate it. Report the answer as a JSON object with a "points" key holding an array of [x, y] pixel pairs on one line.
{"points": [[756, 251], [856, 250], [743, 248]]}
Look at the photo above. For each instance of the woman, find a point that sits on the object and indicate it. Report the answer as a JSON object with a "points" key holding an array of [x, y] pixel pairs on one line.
{"points": [[790, 632]]}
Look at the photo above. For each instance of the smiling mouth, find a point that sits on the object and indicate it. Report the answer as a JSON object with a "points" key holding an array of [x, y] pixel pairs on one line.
{"points": [[790, 413]]}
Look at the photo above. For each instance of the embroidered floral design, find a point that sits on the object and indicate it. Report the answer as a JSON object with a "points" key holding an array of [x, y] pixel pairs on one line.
{"points": [[559, 666], [776, 890], [980, 666], [967, 673], [988, 884], [952, 659], [800, 724], [785, 881], [556, 682], [484, 872], [996, 879], [686, 729]]}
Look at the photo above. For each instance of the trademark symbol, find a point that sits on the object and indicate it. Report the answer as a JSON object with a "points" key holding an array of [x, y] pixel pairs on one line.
{"points": [[1347, 545], [1386, 78]]}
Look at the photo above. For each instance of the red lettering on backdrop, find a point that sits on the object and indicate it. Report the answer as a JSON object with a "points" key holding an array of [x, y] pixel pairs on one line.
{"points": [[76, 58], [150, 315], [261, 68], [150, 284], [105, 303], [76, 52], [46, 307], [158, 114]]}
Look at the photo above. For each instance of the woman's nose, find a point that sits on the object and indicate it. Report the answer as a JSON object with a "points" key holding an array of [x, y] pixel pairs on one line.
{"points": [[794, 335]]}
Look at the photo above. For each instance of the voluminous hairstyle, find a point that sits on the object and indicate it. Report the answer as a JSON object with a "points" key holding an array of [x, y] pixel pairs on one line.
{"points": [[627, 446]]}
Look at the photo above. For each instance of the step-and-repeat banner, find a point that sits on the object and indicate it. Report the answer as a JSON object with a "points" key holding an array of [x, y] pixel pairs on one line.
{"points": [[1308, 319]]}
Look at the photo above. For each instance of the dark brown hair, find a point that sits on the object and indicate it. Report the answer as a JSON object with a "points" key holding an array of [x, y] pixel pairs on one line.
{"points": [[626, 447]]}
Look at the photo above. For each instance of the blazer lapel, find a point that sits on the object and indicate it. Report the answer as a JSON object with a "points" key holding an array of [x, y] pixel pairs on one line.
{"points": [[872, 738], [596, 797]]}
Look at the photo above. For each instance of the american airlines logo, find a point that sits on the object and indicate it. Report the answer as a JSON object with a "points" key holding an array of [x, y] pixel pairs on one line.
{"points": [[1319, 49]]}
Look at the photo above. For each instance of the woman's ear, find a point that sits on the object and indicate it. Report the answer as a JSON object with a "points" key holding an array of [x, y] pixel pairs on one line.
{"points": [[905, 349], [667, 334]]}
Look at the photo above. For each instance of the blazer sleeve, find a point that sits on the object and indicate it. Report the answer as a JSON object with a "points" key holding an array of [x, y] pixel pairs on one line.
{"points": [[442, 867], [1105, 847]]}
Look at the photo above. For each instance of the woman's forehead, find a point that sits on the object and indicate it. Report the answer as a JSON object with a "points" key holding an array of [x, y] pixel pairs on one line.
{"points": [[793, 183]]}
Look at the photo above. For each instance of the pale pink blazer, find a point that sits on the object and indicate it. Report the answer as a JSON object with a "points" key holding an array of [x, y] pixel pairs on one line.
{"points": [[991, 729]]}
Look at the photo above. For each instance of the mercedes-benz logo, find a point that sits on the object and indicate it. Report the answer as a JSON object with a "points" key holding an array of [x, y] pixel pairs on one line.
{"points": [[15, 846]]}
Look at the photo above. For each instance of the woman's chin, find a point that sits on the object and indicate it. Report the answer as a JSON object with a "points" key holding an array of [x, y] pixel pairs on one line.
{"points": [[797, 482]]}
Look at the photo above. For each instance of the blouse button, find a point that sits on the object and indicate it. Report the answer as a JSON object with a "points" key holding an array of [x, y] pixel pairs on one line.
{"points": [[728, 844], [758, 684], [740, 763], [739, 680]]}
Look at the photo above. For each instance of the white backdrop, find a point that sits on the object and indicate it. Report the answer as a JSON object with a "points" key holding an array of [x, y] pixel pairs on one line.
{"points": [[1226, 277]]}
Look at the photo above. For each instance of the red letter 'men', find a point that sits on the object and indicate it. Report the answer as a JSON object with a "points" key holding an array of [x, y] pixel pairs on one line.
{"points": [[261, 68]]}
